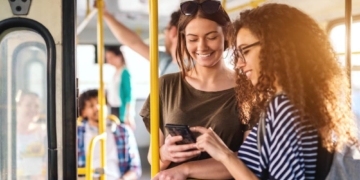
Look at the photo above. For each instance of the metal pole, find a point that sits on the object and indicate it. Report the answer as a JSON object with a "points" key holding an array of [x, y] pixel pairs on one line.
{"points": [[101, 98], [252, 4], [86, 21], [154, 89], [348, 22]]}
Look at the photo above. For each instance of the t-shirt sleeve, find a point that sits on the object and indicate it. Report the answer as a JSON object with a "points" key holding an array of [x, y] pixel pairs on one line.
{"points": [[282, 144], [145, 111]]}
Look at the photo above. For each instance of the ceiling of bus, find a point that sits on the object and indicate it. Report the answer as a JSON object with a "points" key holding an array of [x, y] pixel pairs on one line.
{"points": [[135, 13]]}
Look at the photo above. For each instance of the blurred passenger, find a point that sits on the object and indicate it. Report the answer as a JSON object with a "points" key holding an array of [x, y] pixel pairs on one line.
{"points": [[122, 156], [127, 37], [202, 94], [30, 138], [300, 89], [119, 91]]}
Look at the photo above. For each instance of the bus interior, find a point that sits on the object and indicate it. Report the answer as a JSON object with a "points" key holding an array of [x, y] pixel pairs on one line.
{"points": [[66, 30]]}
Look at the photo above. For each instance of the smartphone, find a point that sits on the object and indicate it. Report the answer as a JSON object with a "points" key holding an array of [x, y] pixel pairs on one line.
{"points": [[181, 130]]}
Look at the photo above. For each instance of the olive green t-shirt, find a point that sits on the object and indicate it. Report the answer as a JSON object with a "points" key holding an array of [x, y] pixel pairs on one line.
{"points": [[180, 103]]}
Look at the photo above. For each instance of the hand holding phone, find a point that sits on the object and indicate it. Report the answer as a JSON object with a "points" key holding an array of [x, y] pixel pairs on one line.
{"points": [[181, 130]]}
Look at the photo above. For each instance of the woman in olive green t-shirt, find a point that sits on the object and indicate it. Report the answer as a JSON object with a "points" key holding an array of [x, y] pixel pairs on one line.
{"points": [[202, 94]]}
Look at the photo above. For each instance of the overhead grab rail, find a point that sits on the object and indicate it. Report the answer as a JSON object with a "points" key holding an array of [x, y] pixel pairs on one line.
{"points": [[86, 21], [252, 4]]}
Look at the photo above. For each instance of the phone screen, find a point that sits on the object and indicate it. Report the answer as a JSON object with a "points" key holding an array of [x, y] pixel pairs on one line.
{"points": [[181, 130]]}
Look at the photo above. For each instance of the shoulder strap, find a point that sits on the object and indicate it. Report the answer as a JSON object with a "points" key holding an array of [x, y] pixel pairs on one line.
{"points": [[260, 141], [261, 131], [260, 138]]}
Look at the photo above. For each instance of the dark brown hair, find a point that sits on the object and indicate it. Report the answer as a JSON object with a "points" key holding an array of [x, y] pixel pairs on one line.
{"points": [[297, 53], [86, 96], [116, 51], [174, 18], [220, 17]]}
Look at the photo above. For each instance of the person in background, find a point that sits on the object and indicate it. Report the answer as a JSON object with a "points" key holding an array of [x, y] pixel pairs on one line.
{"points": [[127, 37], [119, 94], [31, 144], [122, 155]]}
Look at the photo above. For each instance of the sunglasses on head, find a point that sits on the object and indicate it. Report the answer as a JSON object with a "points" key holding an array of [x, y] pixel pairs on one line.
{"points": [[190, 7]]}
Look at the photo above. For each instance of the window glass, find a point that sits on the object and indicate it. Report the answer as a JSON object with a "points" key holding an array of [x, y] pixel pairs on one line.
{"points": [[337, 37], [23, 142]]}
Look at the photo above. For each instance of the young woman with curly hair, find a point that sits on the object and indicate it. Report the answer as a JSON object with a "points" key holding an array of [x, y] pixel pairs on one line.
{"points": [[299, 85]]}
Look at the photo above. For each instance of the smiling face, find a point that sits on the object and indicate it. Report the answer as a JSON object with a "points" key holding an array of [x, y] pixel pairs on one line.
{"points": [[91, 110], [204, 42], [28, 108], [251, 66]]}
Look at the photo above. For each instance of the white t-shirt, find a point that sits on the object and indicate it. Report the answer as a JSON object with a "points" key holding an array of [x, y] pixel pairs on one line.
{"points": [[112, 162], [31, 154], [113, 96]]}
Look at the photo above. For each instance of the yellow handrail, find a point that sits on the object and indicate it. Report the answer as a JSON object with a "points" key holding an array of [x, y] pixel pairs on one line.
{"points": [[223, 3], [86, 21], [81, 171], [154, 89], [89, 156], [101, 97], [352, 53], [87, 7], [85, 170], [252, 4], [114, 119]]}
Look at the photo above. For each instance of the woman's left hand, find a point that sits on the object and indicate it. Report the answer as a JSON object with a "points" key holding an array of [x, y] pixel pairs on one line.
{"points": [[210, 142]]}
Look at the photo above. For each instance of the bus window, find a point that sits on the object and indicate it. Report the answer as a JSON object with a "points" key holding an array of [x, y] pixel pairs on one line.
{"points": [[337, 37], [23, 146]]}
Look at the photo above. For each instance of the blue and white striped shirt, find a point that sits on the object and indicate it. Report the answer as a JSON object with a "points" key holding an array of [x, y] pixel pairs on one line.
{"points": [[289, 150]]}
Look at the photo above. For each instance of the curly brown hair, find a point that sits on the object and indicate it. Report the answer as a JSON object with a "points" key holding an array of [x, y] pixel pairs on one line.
{"points": [[296, 53], [220, 17]]}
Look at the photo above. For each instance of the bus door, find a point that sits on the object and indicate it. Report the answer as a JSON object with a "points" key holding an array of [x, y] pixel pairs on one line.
{"points": [[37, 90]]}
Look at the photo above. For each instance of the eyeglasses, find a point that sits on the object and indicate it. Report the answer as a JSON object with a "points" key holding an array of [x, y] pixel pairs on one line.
{"points": [[241, 51], [190, 7]]}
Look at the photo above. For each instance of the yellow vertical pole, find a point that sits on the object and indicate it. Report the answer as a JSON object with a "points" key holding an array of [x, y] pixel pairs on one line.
{"points": [[154, 89], [87, 7], [101, 97], [223, 3], [348, 24]]}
